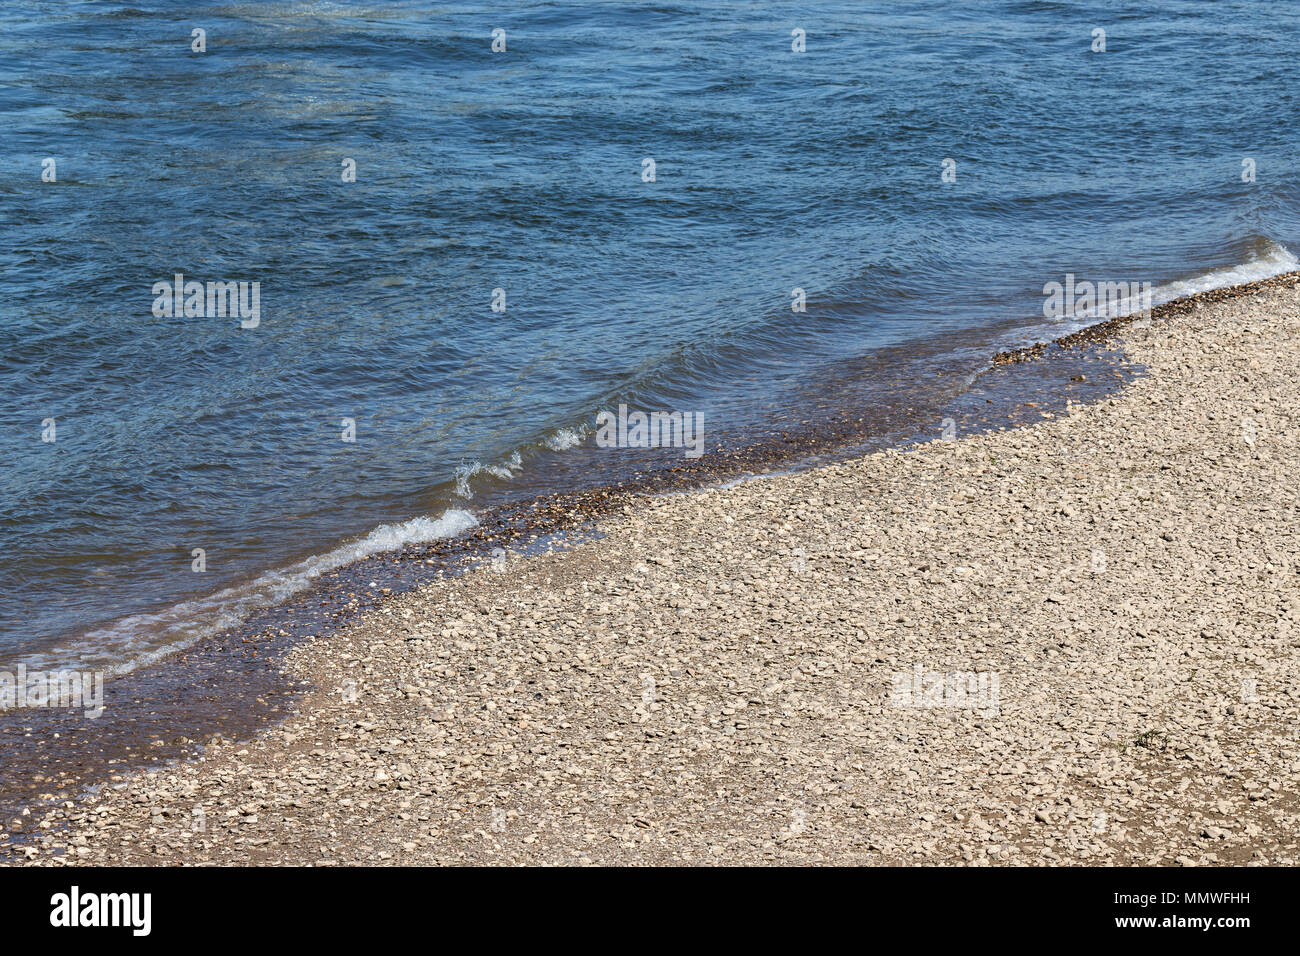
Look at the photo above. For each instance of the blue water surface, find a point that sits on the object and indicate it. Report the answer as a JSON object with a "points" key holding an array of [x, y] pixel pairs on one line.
{"points": [[522, 170]]}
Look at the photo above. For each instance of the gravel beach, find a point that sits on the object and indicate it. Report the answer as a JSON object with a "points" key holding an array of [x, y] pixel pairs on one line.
{"points": [[1068, 643]]}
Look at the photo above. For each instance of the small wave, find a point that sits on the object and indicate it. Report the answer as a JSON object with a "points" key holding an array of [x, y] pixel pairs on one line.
{"points": [[1269, 259], [1274, 259], [141, 639], [563, 438], [466, 473]]}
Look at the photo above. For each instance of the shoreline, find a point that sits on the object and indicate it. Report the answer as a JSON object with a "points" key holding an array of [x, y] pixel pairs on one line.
{"points": [[230, 685], [626, 542]]}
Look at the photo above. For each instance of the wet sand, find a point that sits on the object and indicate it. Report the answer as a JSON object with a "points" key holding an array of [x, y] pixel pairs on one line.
{"points": [[230, 686], [715, 677]]}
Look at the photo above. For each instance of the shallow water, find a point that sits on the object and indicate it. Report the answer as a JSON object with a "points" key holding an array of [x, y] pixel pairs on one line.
{"points": [[522, 171]]}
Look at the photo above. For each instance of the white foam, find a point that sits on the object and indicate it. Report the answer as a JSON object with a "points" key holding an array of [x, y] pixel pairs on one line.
{"points": [[141, 639], [465, 474], [563, 438], [1276, 260]]}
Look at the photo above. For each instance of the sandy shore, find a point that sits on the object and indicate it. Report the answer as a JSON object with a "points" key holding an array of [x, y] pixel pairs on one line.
{"points": [[745, 675]]}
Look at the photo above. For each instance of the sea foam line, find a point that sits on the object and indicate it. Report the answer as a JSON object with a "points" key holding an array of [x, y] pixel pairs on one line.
{"points": [[120, 647]]}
